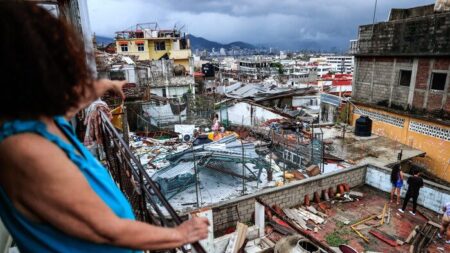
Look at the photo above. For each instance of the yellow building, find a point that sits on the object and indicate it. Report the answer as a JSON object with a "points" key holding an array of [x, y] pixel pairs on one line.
{"points": [[430, 137], [151, 43]]}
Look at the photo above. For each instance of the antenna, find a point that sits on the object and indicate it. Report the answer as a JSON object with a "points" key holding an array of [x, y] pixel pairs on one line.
{"points": [[374, 13]]}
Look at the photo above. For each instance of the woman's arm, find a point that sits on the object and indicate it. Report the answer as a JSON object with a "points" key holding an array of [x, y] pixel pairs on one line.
{"points": [[46, 186], [99, 88]]}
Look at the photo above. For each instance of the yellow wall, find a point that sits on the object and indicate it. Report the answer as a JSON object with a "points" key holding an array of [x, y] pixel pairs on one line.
{"points": [[184, 62], [151, 54], [156, 55], [437, 159], [133, 49]]}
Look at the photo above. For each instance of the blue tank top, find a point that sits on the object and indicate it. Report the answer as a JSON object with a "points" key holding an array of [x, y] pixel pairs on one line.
{"points": [[32, 236]]}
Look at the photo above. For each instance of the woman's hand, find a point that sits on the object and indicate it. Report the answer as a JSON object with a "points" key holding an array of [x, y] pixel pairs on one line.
{"points": [[193, 230], [101, 86]]}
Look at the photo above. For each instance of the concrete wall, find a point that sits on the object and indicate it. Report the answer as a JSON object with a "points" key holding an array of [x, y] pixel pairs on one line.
{"points": [[226, 213], [432, 196], [250, 115], [432, 138]]}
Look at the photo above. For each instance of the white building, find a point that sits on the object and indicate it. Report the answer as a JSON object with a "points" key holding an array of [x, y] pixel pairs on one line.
{"points": [[341, 63]]}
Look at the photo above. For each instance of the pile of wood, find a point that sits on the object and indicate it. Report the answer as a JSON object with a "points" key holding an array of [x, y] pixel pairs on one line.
{"points": [[307, 218], [421, 237]]}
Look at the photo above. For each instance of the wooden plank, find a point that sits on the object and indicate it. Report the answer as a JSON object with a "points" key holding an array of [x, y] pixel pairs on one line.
{"points": [[359, 234], [241, 235], [434, 224], [383, 214], [412, 234], [296, 218], [384, 237], [317, 219], [365, 220]]}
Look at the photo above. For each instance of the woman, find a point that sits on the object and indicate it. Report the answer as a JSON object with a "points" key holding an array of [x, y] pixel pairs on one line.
{"points": [[397, 182], [54, 195], [216, 124]]}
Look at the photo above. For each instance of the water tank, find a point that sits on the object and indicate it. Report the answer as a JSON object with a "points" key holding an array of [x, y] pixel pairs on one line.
{"points": [[179, 70], [208, 70], [363, 126]]}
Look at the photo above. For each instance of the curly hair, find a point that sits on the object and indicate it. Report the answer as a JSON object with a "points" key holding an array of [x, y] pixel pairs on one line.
{"points": [[44, 67]]}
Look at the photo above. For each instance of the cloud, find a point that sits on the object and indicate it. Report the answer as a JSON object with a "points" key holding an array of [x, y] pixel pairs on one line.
{"points": [[283, 23]]}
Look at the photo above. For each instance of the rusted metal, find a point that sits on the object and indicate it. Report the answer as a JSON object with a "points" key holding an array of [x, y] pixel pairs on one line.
{"points": [[143, 194]]}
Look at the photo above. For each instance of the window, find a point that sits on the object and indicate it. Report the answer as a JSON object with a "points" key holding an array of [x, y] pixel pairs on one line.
{"points": [[140, 47], [164, 94], [405, 77], [117, 75], [160, 46], [438, 81], [124, 48]]}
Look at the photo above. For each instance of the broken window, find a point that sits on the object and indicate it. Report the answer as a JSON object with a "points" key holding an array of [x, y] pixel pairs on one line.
{"points": [[160, 46], [140, 47], [405, 77], [438, 81], [124, 48], [117, 75]]}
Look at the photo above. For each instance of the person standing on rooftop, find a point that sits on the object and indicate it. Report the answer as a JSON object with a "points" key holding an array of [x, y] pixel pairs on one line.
{"points": [[415, 182], [397, 182], [54, 195]]}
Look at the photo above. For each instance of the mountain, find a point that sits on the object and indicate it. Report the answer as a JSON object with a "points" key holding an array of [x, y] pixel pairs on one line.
{"points": [[202, 43], [196, 43], [103, 40]]}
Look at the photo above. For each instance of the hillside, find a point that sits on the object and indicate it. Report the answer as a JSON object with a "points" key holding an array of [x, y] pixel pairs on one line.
{"points": [[202, 43], [196, 43]]}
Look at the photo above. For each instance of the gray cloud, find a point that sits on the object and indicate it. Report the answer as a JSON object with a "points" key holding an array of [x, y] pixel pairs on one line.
{"points": [[284, 23]]}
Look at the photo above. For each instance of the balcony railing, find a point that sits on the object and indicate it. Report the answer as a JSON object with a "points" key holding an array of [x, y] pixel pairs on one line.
{"points": [[149, 204]]}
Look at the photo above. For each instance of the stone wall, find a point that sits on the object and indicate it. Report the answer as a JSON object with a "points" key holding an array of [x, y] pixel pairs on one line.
{"points": [[227, 213], [377, 81]]}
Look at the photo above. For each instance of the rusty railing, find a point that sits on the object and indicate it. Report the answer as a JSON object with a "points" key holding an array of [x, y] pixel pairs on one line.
{"points": [[149, 204]]}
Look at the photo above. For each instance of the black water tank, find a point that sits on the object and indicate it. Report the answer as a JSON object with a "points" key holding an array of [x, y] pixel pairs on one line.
{"points": [[363, 126], [208, 70]]}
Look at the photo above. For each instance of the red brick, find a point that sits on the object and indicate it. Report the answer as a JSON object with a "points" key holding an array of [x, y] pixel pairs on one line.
{"points": [[441, 64], [434, 102], [422, 74], [418, 99], [447, 104], [405, 59]]}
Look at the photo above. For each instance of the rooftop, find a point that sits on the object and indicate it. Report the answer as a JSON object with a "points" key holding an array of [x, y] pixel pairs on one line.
{"points": [[372, 203]]}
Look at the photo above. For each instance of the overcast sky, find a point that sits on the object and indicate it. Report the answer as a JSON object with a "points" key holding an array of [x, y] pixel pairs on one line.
{"points": [[282, 23]]}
